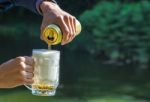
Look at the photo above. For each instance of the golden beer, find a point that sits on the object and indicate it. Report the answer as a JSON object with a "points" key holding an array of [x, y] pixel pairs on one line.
{"points": [[44, 87]]}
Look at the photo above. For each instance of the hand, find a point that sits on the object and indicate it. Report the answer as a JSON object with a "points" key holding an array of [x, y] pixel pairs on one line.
{"points": [[16, 72], [52, 13]]}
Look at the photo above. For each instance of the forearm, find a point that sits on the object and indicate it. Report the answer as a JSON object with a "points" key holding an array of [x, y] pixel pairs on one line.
{"points": [[32, 5], [2, 77], [29, 4], [48, 7], [5, 5]]}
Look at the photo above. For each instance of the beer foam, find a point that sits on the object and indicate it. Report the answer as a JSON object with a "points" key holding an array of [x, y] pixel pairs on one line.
{"points": [[44, 51], [47, 64]]}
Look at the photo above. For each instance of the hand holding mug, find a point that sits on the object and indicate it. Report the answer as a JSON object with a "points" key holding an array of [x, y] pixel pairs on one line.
{"points": [[16, 72]]}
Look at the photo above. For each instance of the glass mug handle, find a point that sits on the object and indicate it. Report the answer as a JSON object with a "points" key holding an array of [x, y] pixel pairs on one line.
{"points": [[28, 87]]}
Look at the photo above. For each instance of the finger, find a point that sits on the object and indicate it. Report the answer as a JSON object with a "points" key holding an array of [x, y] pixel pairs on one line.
{"points": [[28, 81], [42, 30], [29, 60], [27, 75], [65, 30], [70, 27], [29, 68], [73, 26]]}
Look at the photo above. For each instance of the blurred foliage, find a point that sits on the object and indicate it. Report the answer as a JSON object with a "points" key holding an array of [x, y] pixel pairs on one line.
{"points": [[76, 7], [117, 31]]}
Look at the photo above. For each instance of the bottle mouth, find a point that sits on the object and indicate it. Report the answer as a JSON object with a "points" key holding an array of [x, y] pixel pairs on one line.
{"points": [[52, 34], [51, 38]]}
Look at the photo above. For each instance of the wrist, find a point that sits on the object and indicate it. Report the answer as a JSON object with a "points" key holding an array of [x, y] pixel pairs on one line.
{"points": [[45, 5], [1, 75]]}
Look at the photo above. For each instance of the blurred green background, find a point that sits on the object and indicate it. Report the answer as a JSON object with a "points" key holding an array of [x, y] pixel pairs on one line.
{"points": [[107, 62]]}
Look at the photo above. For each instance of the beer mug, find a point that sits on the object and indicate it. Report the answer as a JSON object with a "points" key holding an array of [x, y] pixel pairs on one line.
{"points": [[46, 72]]}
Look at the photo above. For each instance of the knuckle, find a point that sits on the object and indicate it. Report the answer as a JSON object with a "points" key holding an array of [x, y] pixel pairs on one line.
{"points": [[74, 17], [73, 35], [59, 17], [66, 16], [66, 31], [21, 65], [19, 59], [69, 34], [71, 17]]}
